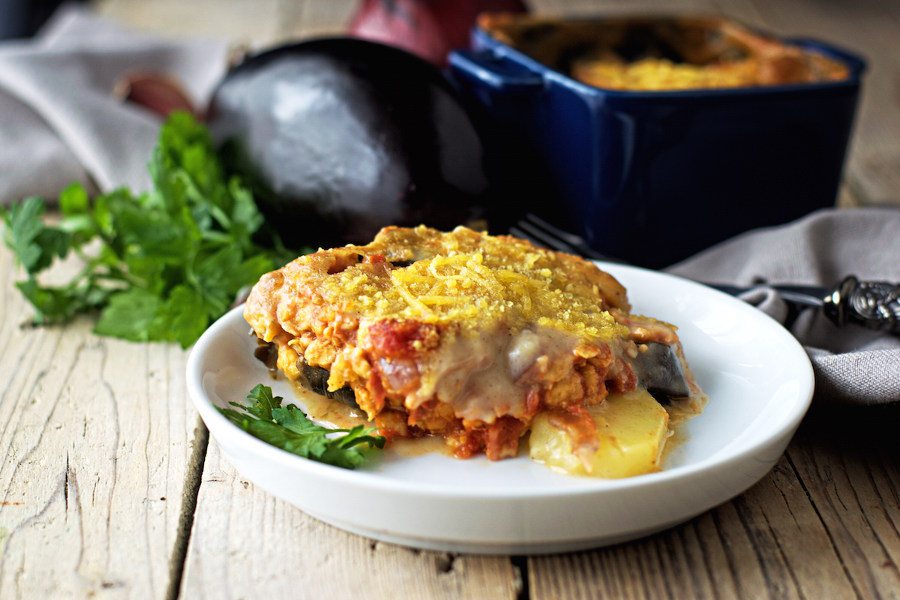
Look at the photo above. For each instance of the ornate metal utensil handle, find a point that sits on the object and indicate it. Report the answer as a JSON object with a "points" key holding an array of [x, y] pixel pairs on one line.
{"points": [[872, 304]]}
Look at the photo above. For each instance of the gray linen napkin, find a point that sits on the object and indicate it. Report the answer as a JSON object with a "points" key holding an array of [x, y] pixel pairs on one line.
{"points": [[852, 364], [60, 120]]}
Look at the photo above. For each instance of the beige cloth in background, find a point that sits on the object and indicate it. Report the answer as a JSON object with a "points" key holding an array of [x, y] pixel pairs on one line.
{"points": [[60, 122], [852, 364]]}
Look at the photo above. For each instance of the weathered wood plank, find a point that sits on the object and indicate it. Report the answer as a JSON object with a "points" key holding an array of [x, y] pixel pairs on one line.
{"points": [[823, 524], [311, 18], [243, 22], [96, 439], [248, 544], [849, 469], [82, 509]]}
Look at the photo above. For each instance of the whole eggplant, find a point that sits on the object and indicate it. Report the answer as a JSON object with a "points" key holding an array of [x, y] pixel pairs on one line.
{"points": [[339, 137]]}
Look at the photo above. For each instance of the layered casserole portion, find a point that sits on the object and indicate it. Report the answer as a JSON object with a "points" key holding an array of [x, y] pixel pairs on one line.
{"points": [[461, 335]]}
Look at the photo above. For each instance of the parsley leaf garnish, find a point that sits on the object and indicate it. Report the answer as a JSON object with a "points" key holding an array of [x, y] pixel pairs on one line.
{"points": [[159, 266], [288, 428]]}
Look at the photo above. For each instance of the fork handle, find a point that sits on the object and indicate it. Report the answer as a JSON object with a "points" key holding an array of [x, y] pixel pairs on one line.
{"points": [[872, 304]]}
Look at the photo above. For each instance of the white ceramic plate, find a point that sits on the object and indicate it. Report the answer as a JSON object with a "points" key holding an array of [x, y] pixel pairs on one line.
{"points": [[757, 376]]}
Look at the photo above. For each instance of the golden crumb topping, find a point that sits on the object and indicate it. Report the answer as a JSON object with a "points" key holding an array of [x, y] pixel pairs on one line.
{"points": [[661, 74], [472, 279]]}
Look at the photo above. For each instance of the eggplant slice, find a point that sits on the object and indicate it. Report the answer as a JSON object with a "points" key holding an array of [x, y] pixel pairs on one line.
{"points": [[660, 372], [315, 379]]}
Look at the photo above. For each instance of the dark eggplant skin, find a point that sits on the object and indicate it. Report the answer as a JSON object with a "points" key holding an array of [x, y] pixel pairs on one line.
{"points": [[315, 379], [339, 137]]}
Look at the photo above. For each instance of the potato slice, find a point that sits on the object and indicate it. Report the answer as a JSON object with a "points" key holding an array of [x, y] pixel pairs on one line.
{"points": [[632, 429]]}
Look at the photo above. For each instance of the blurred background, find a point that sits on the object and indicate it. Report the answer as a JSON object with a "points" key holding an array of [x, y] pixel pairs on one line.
{"points": [[870, 27]]}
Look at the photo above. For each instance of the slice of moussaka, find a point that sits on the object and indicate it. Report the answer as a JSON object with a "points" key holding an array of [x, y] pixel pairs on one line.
{"points": [[464, 335]]}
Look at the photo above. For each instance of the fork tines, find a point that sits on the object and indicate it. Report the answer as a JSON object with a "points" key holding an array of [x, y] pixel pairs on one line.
{"points": [[538, 231]]}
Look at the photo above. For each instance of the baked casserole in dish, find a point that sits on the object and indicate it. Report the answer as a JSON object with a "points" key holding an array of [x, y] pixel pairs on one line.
{"points": [[651, 53], [657, 137]]}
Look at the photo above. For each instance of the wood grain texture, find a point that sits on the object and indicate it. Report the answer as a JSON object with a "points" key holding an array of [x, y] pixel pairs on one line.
{"points": [[96, 440], [248, 544], [315, 18], [822, 524], [243, 22], [107, 486]]}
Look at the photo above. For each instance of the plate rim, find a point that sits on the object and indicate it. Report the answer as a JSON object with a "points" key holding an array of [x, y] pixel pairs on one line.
{"points": [[218, 424]]}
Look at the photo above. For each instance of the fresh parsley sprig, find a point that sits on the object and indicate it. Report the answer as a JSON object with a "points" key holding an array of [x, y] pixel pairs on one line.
{"points": [[159, 266], [286, 427]]}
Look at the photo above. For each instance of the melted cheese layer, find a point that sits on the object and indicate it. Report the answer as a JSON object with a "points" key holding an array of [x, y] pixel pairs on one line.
{"points": [[476, 281]]}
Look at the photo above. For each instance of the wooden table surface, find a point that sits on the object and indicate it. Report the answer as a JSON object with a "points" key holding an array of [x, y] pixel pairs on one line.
{"points": [[110, 486]]}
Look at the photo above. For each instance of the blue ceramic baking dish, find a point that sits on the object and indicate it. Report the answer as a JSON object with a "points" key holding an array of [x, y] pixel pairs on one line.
{"points": [[653, 177]]}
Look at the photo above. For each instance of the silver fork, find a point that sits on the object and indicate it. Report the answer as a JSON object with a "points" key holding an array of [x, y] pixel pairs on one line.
{"points": [[538, 231], [870, 304]]}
